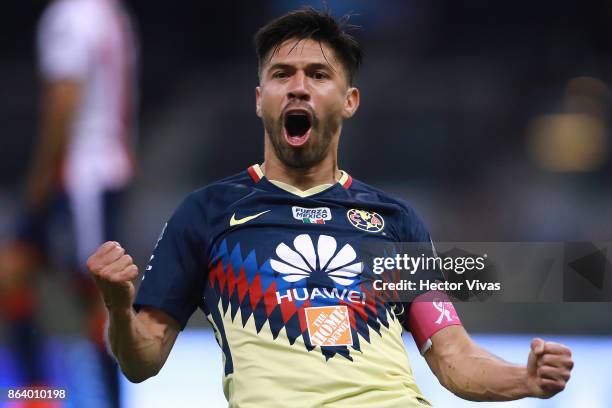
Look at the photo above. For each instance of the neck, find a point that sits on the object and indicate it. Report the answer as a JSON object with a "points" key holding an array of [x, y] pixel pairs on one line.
{"points": [[324, 172]]}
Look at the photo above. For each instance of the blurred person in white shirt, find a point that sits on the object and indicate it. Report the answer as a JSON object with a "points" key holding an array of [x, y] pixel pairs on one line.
{"points": [[83, 161]]}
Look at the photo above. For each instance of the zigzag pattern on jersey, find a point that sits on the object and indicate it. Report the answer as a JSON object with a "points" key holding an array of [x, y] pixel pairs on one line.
{"points": [[250, 289]]}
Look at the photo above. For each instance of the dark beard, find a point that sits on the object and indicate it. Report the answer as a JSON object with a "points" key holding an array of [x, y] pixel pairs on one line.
{"points": [[306, 156]]}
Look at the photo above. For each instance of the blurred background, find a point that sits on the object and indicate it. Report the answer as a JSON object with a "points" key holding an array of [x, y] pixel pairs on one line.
{"points": [[492, 119]]}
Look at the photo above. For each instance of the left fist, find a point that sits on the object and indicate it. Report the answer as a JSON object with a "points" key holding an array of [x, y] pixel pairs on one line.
{"points": [[548, 368]]}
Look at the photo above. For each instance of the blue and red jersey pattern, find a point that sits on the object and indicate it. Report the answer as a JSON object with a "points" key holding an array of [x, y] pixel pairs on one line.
{"points": [[279, 275]]}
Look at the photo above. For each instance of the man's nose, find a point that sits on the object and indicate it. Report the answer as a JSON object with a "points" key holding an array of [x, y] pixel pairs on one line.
{"points": [[298, 88]]}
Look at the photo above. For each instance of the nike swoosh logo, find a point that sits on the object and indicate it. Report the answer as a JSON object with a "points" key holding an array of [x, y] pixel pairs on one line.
{"points": [[234, 221]]}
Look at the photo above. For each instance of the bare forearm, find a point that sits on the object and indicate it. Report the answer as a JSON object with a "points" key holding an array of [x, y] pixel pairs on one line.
{"points": [[55, 132], [473, 373], [58, 110], [137, 351], [141, 342], [52, 145], [478, 375]]}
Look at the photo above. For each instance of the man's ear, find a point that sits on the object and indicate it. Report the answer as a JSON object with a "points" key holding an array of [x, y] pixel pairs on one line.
{"points": [[351, 102], [258, 101]]}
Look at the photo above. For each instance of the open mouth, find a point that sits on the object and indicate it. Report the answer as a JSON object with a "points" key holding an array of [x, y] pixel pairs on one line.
{"points": [[297, 125]]}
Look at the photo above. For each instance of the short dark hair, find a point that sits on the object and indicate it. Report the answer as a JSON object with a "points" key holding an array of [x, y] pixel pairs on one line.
{"points": [[310, 23]]}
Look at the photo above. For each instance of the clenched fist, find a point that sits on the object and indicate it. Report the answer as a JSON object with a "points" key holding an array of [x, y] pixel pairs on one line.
{"points": [[113, 271], [548, 368]]}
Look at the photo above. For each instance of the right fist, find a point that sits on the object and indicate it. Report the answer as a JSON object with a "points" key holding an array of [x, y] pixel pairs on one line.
{"points": [[113, 271]]}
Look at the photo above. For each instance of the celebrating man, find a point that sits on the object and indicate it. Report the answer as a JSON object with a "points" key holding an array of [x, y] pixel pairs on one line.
{"points": [[271, 256]]}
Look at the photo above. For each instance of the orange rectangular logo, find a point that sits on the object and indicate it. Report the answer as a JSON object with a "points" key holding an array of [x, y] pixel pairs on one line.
{"points": [[329, 326]]}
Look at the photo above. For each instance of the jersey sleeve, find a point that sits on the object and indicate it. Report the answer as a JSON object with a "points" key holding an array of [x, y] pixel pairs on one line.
{"points": [[63, 42], [174, 279], [428, 312], [416, 233]]}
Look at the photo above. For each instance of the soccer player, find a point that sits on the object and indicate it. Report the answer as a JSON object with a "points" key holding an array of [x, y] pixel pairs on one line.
{"points": [[272, 257], [82, 163]]}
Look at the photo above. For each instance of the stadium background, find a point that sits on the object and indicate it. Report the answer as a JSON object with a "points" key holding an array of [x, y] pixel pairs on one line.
{"points": [[491, 119]]}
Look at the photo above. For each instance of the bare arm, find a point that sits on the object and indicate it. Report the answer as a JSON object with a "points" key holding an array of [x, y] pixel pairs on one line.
{"points": [[59, 105], [472, 373], [141, 341]]}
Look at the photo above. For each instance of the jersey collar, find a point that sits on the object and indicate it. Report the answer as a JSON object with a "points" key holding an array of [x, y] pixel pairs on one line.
{"points": [[257, 175]]}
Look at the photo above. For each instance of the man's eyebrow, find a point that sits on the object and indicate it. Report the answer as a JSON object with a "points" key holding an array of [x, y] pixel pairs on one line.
{"points": [[280, 65], [311, 66], [319, 65]]}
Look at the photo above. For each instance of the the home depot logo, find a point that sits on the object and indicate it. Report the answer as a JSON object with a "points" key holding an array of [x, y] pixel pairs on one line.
{"points": [[329, 326]]}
